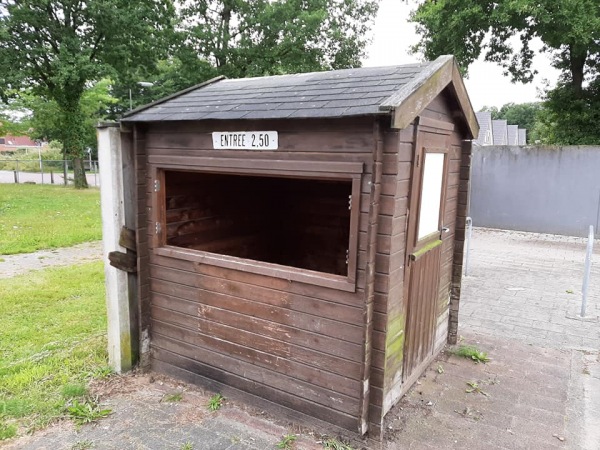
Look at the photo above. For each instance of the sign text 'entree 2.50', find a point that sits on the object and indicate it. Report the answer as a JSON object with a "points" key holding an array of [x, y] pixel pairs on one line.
{"points": [[245, 140]]}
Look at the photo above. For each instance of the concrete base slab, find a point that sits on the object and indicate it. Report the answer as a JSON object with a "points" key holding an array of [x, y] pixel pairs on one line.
{"points": [[582, 318]]}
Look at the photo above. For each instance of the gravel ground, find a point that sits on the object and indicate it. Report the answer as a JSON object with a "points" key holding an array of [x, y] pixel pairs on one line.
{"points": [[11, 265]]}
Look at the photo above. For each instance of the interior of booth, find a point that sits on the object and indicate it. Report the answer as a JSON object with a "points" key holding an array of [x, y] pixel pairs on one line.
{"points": [[298, 222]]}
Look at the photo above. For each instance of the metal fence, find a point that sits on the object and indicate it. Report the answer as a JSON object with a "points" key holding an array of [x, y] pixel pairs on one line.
{"points": [[40, 171]]}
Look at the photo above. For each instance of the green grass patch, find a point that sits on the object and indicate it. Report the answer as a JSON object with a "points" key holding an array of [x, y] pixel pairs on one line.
{"points": [[287, 441], [335, 444], [74, 390], [52, 342], [7, 431], [36, 217], [471, 352], [215, 402], [86, 411], [173, 398]]}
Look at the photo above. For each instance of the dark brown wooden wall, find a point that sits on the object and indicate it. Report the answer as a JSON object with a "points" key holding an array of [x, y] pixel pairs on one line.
{"points": [[297, 344], [390, 306], [389, 276], [444, 108], [142, 218]]}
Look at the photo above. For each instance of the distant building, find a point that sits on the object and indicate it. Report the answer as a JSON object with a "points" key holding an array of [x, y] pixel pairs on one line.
{"points": [[522, 136], [13, 143], [485, 128], [498, 132], [512, 131]]}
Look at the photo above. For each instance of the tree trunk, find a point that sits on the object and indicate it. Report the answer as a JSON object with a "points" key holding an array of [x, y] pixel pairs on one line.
{"points": [[79, 174], [224, 35], [577, 59], [73, 130]]}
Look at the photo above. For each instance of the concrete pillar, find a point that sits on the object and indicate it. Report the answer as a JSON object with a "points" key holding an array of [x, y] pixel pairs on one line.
{"points": [[121, 351]]}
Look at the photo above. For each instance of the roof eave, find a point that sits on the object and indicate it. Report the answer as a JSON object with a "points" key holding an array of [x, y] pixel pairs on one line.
{"points": [[414, 97]]}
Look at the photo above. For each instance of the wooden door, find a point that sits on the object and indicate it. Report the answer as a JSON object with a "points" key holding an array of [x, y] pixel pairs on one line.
{"points": [[424, 243]]}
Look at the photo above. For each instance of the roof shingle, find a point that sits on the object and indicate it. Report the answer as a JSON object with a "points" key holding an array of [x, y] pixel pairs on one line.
{"points": [[338, 93]]}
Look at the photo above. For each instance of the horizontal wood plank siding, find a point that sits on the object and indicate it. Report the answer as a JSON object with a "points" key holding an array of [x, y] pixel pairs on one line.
{"points": [[389, 277], [293, 343], [460, 213], [195, 371]]}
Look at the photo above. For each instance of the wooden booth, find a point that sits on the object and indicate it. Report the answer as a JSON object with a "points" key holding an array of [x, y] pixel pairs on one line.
{"points": [[296, 239]]}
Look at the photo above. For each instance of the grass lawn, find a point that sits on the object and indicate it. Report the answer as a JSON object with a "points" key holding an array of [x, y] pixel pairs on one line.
{"points": [[35, 217], [52, 343]]}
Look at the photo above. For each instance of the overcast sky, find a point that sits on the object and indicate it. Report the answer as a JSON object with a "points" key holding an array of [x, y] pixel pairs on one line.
{"points": [[487, 86]]}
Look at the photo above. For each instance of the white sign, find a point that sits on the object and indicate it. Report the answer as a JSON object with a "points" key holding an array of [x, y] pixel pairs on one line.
{"points": [[245, 140]]}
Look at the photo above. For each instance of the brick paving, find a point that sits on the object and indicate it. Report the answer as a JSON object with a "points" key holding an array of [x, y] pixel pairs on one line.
{"points": [[143, 418], [527, 286], [542, 386], [541, 389]]}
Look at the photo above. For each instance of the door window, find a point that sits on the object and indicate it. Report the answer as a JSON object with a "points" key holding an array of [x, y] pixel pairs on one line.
{"points": [[431, 194]]}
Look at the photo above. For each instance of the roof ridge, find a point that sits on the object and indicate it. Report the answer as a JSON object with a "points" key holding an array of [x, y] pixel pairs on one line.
{"points": [[316, 72]]}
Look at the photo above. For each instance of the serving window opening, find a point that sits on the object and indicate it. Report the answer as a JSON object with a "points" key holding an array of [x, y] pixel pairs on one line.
{"points": [[297, 222]]}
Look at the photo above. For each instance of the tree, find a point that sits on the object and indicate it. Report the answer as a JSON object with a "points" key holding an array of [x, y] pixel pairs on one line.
{"points": [[266, 37], [44, 114], [568, 118], [523, 114], [57, 48], [11, 126], [238, 38], [568, 29], [178, 72], [493, 110]]}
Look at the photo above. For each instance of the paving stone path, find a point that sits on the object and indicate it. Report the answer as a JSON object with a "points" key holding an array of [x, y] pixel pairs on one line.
{"points": [[527, 286], [541, 389]]}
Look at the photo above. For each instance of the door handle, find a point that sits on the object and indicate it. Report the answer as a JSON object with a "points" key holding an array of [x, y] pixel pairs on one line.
{"points": [[445, 229]]}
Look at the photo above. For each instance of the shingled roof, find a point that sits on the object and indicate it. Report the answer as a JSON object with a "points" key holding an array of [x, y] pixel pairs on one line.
{"points": [[337, 93]]}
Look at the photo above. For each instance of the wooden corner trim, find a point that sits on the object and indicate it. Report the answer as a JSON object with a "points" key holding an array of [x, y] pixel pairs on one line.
{"points": [[290, 274], [464, 101], [423, 90]]}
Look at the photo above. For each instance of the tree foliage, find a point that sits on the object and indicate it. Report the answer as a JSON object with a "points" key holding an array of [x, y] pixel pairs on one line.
{"points": [[239, 38], [44, 114], [54, 51], [568, 29], [571, 117], [13, 126], [265, 37], [57, 48]]}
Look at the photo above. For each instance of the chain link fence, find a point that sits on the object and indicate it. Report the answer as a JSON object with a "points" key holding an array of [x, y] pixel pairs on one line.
{"points": [[41, 171]]}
